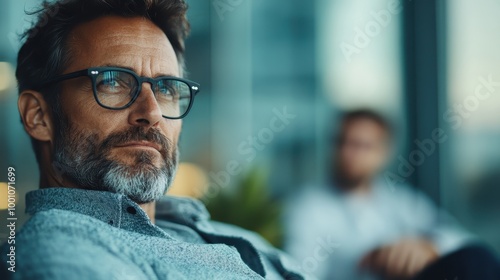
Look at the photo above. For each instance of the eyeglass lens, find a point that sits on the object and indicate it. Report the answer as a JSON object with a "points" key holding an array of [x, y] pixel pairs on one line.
{"points": [[116, 89]]}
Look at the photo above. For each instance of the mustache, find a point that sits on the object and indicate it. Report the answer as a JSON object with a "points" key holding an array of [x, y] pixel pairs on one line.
{"points": [[152, 135]]}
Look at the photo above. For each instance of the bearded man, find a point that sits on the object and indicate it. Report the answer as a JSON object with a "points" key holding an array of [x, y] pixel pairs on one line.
{"points": [[102, 96]]}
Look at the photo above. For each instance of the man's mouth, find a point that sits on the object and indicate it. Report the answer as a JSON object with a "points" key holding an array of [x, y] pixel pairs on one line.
{"points": [[141, 144]]}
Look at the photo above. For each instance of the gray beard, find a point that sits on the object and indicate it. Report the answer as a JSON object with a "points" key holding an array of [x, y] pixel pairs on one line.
{"points": [[80, 158], [144, 185]]}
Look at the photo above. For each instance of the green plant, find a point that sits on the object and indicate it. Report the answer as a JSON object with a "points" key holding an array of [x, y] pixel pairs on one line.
{"points": [[250, 206]]}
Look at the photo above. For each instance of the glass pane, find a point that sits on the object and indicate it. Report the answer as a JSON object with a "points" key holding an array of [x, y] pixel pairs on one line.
{"points": [[359, 53], [473, 114]]}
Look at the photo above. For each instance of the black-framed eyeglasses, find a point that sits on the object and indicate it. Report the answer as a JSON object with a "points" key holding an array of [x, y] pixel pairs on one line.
{"points": [[117, 88]]}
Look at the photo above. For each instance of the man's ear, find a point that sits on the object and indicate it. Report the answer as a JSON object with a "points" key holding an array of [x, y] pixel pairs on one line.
{"points": [[36, 116]]}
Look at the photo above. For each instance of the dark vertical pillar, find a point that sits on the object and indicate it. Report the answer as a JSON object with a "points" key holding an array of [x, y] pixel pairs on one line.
{"points": [[423, 58]]}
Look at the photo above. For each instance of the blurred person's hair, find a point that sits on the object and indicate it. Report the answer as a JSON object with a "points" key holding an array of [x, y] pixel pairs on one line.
{"points": [[46, 53], [371, 115]]}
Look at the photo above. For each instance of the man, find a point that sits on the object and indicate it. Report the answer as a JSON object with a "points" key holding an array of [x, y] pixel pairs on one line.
{"points": [[381, 230], [102, 98]]}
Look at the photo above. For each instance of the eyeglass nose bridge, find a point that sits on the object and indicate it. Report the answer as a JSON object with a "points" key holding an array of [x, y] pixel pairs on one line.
{"points": [[142, 80]]}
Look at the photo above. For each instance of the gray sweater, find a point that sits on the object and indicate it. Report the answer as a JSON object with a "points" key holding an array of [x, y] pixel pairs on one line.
{"points": [[83, 234]]}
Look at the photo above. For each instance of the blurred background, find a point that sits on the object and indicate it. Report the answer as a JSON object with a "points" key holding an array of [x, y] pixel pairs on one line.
{"points": [[275, 75]]}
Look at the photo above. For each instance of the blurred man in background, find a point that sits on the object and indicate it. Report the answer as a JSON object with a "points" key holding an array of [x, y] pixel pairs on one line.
{"points": [[379, 229]]}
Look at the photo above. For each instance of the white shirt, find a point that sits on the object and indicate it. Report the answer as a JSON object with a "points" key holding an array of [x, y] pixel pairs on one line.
{"points": [[353, 225]]}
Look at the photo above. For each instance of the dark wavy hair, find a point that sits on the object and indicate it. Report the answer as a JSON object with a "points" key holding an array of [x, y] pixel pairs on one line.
{"points": [[45, 52]]}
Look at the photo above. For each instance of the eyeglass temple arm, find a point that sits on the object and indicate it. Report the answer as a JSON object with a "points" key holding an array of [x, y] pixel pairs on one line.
{"points": [[65, 77]]}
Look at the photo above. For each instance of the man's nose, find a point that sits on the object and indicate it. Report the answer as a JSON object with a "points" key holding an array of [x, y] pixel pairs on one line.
{"points": [[145, 111]]}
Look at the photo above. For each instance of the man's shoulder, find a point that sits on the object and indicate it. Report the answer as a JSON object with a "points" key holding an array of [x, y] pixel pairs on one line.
{"points": [[56, 224], [276, 256], [232, 230], [54, 231], [314, 201], [54, 242]]}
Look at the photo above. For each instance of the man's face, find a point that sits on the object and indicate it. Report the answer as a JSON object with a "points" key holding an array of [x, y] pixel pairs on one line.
{"points": [[362, 150], [131, 151]]}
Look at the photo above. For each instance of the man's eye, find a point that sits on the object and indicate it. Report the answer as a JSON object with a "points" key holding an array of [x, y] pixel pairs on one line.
{"points": [[110, 82], [167, 91], [164, 90], [112, 85]]}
